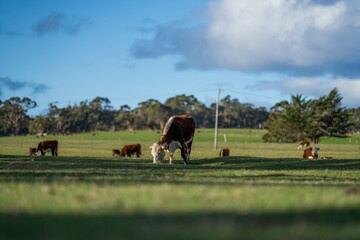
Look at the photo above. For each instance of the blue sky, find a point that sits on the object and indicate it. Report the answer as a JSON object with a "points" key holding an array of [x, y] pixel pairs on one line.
{"points": [[259, 51]]}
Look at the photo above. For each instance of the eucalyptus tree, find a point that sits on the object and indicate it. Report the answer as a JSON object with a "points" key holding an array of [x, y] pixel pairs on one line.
{"points": [[13, 117]]}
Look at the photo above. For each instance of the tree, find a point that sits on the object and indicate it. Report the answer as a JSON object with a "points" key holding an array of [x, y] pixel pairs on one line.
{"points": [[181, 104], [233, 114], [333, 118], [354, 119], [13, 118], [151, 114], [124, 118], [100, 109], [39, 125], [301, 118]]}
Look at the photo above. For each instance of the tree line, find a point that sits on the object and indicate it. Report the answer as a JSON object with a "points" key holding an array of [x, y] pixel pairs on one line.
{"points": [[287, 121], [100, 115]]}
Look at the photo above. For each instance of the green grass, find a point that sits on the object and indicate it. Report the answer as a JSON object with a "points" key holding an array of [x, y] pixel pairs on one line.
{"points": [[262, 191]]}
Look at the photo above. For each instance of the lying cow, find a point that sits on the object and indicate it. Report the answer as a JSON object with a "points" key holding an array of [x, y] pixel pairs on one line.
{"points": [[47, 146], [224, 152], [116, 151], [303, 144], [178, 133], [325, 157], [129, 150], [311, 153], [32, 152]]}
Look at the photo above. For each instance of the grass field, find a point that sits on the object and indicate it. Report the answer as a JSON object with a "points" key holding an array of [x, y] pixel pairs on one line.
{"points": [[262, 191]]}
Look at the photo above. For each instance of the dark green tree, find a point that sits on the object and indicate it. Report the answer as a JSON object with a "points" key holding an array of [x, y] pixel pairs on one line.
{"points": [[312, 119], [13, 118], [354, 119]]}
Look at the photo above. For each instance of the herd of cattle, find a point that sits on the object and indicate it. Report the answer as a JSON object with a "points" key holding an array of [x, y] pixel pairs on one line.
{"points": [[178, 133]]}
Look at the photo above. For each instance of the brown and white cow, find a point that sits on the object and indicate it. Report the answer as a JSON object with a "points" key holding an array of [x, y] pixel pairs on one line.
{"points": [[325, 157], [116, 151], [311, 153], [303, 144], [178, 133], [131, 149], [47, 146], [224, 152], [32, 151]]}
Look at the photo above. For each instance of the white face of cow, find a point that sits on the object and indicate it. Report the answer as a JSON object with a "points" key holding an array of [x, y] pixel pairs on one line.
{"points": [[315, 151], [157, 152]]}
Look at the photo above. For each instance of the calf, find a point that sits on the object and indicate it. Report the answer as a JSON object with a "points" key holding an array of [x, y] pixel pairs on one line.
{"points": [[32, 152], [47, 146], [178, 133], [311, 153], [224, 152], [129, 150], [303, 144], [116, 151]]}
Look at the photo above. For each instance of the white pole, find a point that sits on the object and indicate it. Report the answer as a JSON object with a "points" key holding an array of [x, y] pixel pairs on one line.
{"points": [[216, 119]]}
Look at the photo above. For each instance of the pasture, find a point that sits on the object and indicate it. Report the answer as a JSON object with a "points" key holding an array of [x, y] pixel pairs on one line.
{"points": [[262, 191]]}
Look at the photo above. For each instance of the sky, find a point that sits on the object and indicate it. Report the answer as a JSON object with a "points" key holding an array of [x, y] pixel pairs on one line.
{"points": [[258, 51]]}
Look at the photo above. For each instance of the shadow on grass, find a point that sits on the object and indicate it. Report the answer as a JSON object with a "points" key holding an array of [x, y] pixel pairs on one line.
{"points": [[234, 163], [311, 224], [216, 171]]}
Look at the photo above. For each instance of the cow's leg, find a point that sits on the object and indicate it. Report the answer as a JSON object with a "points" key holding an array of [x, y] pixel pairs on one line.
{"points": [[171, 155], [188, 151], [184, 155]]}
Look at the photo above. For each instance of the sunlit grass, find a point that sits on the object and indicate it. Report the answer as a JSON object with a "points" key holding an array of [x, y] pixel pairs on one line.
{"points": [[262, 191]]}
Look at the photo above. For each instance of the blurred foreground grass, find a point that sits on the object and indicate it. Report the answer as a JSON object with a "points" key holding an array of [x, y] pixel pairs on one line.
{"points": [[262, 191]]}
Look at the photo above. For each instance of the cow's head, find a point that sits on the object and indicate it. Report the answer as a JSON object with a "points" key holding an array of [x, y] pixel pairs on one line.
{"points": [[158, 153], [39, 153], [315, 152]]}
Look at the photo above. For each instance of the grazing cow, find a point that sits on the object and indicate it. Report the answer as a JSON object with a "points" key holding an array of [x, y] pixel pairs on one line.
{"points": [[116, 151], [303, 144], [67, 133], [47, 146], [311, 153], [129, 150], [32, 152], [224, 152], [325, 157], [178, 133]]}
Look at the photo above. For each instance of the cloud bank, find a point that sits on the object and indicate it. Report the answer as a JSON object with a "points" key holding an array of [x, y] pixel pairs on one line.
{"points": [[292, 37], [57, 22], [11, 85], [315, 87]]}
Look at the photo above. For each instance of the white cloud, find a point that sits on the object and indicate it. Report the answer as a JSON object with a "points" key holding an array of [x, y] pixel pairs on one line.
{"points": [[315, 87], [295, 37], [257, 34]]}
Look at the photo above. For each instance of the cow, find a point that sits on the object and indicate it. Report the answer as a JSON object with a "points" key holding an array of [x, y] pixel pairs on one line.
{"points": [[178, 132], [32, 152], [129, 150], [67, 133], [224, 152], [303, 144], [116, 151], [311, 153], [47, 146], [325, 157]]}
